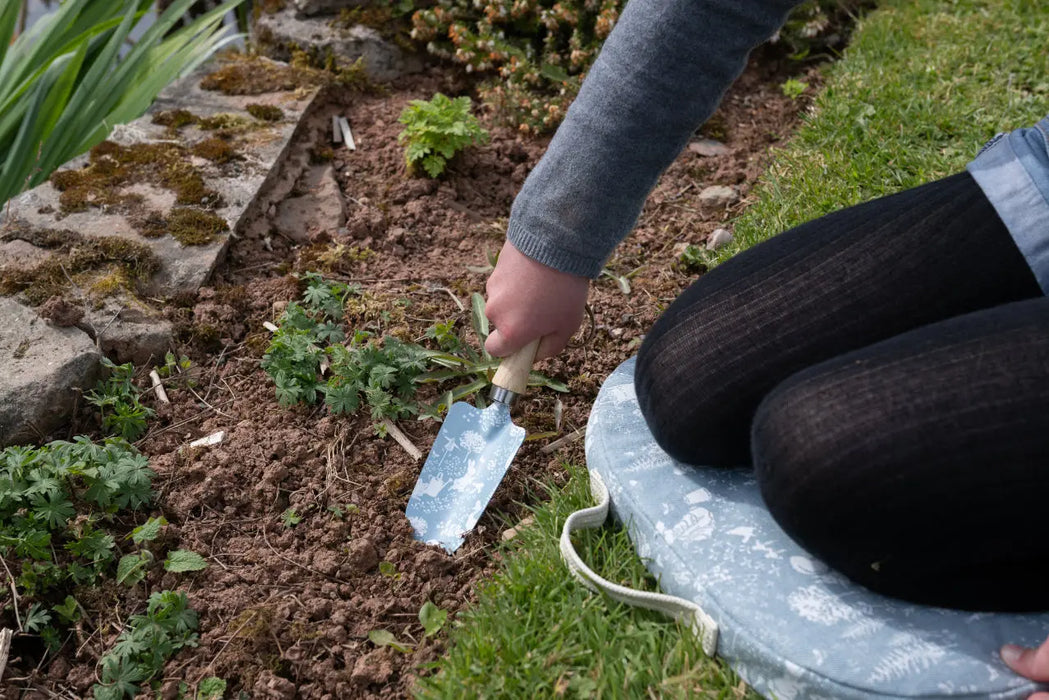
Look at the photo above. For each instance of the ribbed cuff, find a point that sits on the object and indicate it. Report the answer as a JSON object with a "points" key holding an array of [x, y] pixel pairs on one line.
{"points": [[540, 249]]}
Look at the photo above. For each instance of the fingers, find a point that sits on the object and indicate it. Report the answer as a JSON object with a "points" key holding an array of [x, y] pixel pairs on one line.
{"points": [[528, 300], [1030, 663], [499, 345]]}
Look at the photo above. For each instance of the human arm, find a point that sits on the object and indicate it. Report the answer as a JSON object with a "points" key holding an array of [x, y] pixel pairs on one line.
{"points": [[1029, 663], [659, 76]]}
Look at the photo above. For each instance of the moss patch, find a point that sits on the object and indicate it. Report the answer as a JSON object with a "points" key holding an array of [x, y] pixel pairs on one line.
{"points": [[79, 256], [113, 166], [215, 149], [255, 76], [195, 226], [265, 113]]}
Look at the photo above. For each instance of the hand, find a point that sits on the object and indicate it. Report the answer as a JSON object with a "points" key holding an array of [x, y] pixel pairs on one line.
{"points": [[1029, 663], [529, 300]]}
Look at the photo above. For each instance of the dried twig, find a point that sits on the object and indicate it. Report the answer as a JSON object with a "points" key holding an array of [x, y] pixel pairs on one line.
{"points": [[14, 593], [158, 386], [561, 442], [5, 648], [402, 439]]}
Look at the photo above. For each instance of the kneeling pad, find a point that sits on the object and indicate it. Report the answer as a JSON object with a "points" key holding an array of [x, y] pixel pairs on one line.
{"points": [[788, 625]]}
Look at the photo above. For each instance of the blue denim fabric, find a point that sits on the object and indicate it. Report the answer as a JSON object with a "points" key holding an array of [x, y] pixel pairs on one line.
{"points": [[1013, 172]]}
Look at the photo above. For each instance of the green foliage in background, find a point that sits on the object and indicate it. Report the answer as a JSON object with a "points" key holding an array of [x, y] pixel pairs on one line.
{"points": [[435, 131], [56, 508], [537, 52], [64, 84]]}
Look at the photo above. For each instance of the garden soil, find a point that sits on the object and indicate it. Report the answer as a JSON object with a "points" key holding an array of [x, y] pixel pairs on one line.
{"points": [[286, 609]]}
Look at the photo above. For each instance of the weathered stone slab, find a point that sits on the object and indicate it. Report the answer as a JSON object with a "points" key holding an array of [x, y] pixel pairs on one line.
{"points": [[240, 186], [326, 7], [278, 34], [43, 367]]}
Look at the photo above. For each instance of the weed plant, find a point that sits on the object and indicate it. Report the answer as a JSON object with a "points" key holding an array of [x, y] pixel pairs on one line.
{"points": [[57, 503], [383, 374], [117, 398], [150, 639], [435, 131]]}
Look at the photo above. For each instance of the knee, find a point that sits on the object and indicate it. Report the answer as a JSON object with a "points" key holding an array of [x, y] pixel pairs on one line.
{"points": [[681, 395], [797, 451]]}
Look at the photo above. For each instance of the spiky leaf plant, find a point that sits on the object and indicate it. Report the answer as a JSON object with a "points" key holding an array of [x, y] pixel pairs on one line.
{"points": [[64, 83]]}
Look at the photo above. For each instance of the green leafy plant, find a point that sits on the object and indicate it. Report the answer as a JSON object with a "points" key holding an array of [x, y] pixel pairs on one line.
{"points": [[385, 638], [432, 618], [383, 374], [117, 398], [290, 518], [55, 502], [211, 688], [537, 51], [168, 625], [793, 88], [66, 83], [182, 560], [435, 131], [695, 258]]}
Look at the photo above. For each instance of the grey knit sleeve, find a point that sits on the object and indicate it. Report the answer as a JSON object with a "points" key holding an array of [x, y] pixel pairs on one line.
{"points": [[660, 75]]}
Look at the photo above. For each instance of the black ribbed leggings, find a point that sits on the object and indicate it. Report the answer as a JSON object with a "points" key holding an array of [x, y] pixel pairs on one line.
{"points": [[886, 370]]}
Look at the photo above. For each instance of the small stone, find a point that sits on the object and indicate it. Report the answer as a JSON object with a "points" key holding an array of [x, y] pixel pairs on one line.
{"points": [[708, 148], [720, 238], [718, 196], [516, 530], [616, 332], [362, 555]]}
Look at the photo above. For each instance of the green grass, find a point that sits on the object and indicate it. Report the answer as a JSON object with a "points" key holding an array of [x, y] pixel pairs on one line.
{"points": [[535, 632], [923, 85]]}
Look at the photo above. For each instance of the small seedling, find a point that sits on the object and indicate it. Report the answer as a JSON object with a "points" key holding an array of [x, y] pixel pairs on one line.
{"points": [[435, 131], [290, 518], [695, 259], [118, 400], [432, 618], [621, 280], [793, 88], [389, 570], [385, 638], [339, 512]]}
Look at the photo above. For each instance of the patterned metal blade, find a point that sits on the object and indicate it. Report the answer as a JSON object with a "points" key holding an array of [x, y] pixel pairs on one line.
{"points": [[472, 452]]}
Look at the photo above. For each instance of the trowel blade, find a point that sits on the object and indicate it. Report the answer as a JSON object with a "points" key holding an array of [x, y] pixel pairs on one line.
{"points": [[471, 454]]}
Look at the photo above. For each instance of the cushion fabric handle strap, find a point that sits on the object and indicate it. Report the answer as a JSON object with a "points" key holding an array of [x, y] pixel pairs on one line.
{"points": [[699, 621]]}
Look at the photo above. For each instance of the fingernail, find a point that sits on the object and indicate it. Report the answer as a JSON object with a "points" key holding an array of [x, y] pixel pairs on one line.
{"points": [[1011, 653]]}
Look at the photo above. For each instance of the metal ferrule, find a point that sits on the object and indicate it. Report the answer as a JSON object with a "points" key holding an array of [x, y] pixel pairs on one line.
{"points": [[503, 396]]}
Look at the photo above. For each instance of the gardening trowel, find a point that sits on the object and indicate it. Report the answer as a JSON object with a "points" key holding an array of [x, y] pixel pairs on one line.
{"points": [[471, 454]]}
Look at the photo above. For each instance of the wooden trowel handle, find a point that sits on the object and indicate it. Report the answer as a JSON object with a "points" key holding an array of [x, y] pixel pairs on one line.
{"points": [[512, 374]]}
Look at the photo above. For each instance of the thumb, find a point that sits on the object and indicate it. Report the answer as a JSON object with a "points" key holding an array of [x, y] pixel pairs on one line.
{"points": [[1030, 663], [497, 345]]}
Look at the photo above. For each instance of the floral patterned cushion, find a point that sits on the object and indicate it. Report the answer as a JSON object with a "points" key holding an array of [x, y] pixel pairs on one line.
{"points": [[789, 626]]}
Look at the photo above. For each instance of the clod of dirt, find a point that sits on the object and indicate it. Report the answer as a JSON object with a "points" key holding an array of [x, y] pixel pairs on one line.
{"points": [[362, 555], [374, 667], [61, 312]]}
